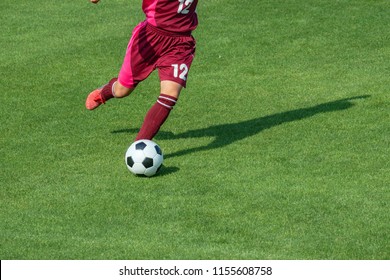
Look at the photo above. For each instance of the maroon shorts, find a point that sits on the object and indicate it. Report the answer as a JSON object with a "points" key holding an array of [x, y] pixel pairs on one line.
{"points": [[150, 48]]}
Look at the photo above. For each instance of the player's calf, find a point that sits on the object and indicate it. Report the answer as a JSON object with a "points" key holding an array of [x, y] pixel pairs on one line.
{"points": [[156, 116]]}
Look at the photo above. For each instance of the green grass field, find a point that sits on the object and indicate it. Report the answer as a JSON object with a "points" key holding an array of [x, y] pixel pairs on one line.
{"points": [[278, 149]]}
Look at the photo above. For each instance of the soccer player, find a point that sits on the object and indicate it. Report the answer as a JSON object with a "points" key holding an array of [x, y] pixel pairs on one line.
{"points": [[163, 42]]}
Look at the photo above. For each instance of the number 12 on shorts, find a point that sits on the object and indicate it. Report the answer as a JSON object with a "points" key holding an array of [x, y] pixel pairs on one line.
{"points": [[180, 71]]}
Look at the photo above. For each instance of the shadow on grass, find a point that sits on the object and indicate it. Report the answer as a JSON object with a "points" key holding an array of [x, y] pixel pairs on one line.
{"points": [[226, 134], [167, 170]]}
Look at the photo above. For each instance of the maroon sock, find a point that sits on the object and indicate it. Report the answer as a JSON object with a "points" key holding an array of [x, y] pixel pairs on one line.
{"points": [[106, 92], [156, 116]]}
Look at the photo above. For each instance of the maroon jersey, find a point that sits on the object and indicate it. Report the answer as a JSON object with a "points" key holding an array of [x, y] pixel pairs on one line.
{"points": [[171, 15]]}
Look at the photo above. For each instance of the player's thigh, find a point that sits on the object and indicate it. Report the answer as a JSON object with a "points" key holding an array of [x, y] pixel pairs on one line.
{"points": [[140, 59]]}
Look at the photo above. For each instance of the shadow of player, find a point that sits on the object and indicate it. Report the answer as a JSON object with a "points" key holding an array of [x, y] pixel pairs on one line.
{"points": [[226, 134]]}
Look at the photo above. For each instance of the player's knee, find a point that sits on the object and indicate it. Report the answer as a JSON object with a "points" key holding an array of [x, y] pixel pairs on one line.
{"points": [[171, 88], [120, 91]]}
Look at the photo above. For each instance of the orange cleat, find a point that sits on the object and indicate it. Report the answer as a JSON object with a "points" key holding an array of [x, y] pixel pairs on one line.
{"points": [[94, 99]]}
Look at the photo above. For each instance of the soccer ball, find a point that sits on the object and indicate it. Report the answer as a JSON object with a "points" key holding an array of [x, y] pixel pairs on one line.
{"points": [[144, 157]]}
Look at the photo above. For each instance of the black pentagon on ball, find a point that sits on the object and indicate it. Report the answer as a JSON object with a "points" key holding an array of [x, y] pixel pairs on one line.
{"points": [[147, 162], [130, 161], [140, 146], [158, 149]]}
